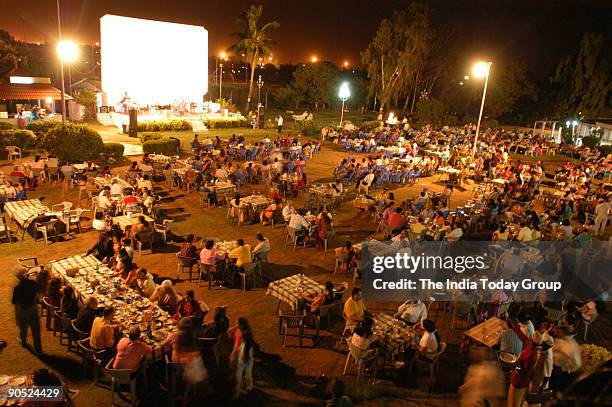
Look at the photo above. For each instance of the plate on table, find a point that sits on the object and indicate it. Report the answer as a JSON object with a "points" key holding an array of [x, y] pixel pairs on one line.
{"points": [[4, 379], [17, 381]]}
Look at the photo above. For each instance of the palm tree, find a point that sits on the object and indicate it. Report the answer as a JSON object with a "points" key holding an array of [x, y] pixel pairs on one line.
{"points": [[253, 40]]}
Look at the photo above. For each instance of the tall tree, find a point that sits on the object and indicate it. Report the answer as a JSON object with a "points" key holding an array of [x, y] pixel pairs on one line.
{"points": [[9, 54], [253, 40], [397, 52], [582, 82], [316, 83], [506, 87]]}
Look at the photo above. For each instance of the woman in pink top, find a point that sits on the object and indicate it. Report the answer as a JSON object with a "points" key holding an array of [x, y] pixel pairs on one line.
{"points": [[210, 257], [183, 342], [131, 351]]}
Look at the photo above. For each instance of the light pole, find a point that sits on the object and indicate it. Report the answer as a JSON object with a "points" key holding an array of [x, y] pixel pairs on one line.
{"points": [[259, 85], [481, 69], [67, 51], [223, 57], [343, 94], [59, 36]]}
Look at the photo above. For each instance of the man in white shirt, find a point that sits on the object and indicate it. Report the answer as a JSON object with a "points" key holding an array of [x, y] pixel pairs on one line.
{"points": [[412, 312], [277, 166], [367, 180], [288, 210], [221, 174], [297, 222], [145, 283], [145, 182], [602, 211], [279, 123], [525, 234], [116, 188], [104, 202], [454, 234]]}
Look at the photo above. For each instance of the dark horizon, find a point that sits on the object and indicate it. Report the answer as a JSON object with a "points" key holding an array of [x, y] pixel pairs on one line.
{"points": [[539, 33]]}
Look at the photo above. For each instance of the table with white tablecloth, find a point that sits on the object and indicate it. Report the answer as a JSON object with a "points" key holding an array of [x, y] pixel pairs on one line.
{"points": [[292, 289], [131, 308], [102, 182]]}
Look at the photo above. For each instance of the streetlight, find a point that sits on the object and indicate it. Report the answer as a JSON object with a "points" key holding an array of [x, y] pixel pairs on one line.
{"points": [[346, 64], [314, 59], [223, 57], [343, 94], [67, 51], [259, 85], [481, 70]]}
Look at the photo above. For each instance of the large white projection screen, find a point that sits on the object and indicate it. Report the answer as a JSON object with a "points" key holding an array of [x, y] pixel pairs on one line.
{"points": [[155, 62]]}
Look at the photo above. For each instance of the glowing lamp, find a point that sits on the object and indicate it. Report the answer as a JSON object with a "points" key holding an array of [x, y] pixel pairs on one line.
{"points": [[68, 51], [481, 69], [344, 92], [574, 123]]}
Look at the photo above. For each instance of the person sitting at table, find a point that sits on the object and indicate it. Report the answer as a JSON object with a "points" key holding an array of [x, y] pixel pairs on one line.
{"points": [[288, 210], [99, 223], [364, 339], [132, 274], [183, 342], [144, 182], [210, 194], [67, 171], [102, 249], [69, 305], [354, 307], [122, 264], [131, 351], [297, 221], [188, 306], [418, 228], [242, 254], [412, 312], [129, 203], [165, 297], [313, 302], [141, 227], [20, 192], [188, 249], [144, 283], [266, 215], [526, 233], [455, 234], [54, 292], [87, 314], [102, 335], [262, 248], [396, 220], [210, 257], [237, 208], [429, 345], [116, 188], [146, 201], [501, 234]]}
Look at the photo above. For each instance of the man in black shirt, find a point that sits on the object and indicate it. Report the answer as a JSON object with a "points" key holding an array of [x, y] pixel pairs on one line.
{"points": [[87, 314], [26, 313]]}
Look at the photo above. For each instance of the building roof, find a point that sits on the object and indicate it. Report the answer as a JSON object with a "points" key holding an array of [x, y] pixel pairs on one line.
{"points": [[94, 85], [35, 91]]}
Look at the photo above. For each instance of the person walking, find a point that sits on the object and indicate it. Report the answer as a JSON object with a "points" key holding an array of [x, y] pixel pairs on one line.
{"points": [[26, 314], [243, 355], [602, 211], [279, 123]]}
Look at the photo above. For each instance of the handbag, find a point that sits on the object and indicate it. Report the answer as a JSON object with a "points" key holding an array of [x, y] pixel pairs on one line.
{"points": [[194, 371]]}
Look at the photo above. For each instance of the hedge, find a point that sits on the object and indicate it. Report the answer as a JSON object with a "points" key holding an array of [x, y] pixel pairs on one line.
{"points": [[73, 143], [42, 127], [591, 141], [15, 137], [114, 150], [164, 125], [149, 136], [5, 126], [310, 128], [164, 145], [226, 123]]}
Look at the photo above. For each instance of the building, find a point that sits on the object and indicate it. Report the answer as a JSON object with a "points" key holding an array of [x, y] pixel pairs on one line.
{"points": [[603, 126], [20, 93]]}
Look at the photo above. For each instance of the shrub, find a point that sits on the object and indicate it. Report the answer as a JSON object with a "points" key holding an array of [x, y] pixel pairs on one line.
{"points": [[149, 136], [591, 141], [71, 142], [42, 127], [226, 123], [605, 150], [114, 150], [310, 128], [164, 145], [164, 125], [5, 126], [15, 137]]}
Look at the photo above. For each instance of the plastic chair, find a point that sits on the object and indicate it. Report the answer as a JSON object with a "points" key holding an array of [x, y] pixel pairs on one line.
{"points": [[287, 322], [74, 218], [122, 377], [163, 229], [356, 355], [185, 263], [249, 270], [293, 236], [5, 230], [13, 151], [91, 358], [50, 309]]}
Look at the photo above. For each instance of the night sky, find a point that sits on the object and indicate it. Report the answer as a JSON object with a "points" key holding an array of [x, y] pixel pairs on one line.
{"points": [[539, 32]]}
